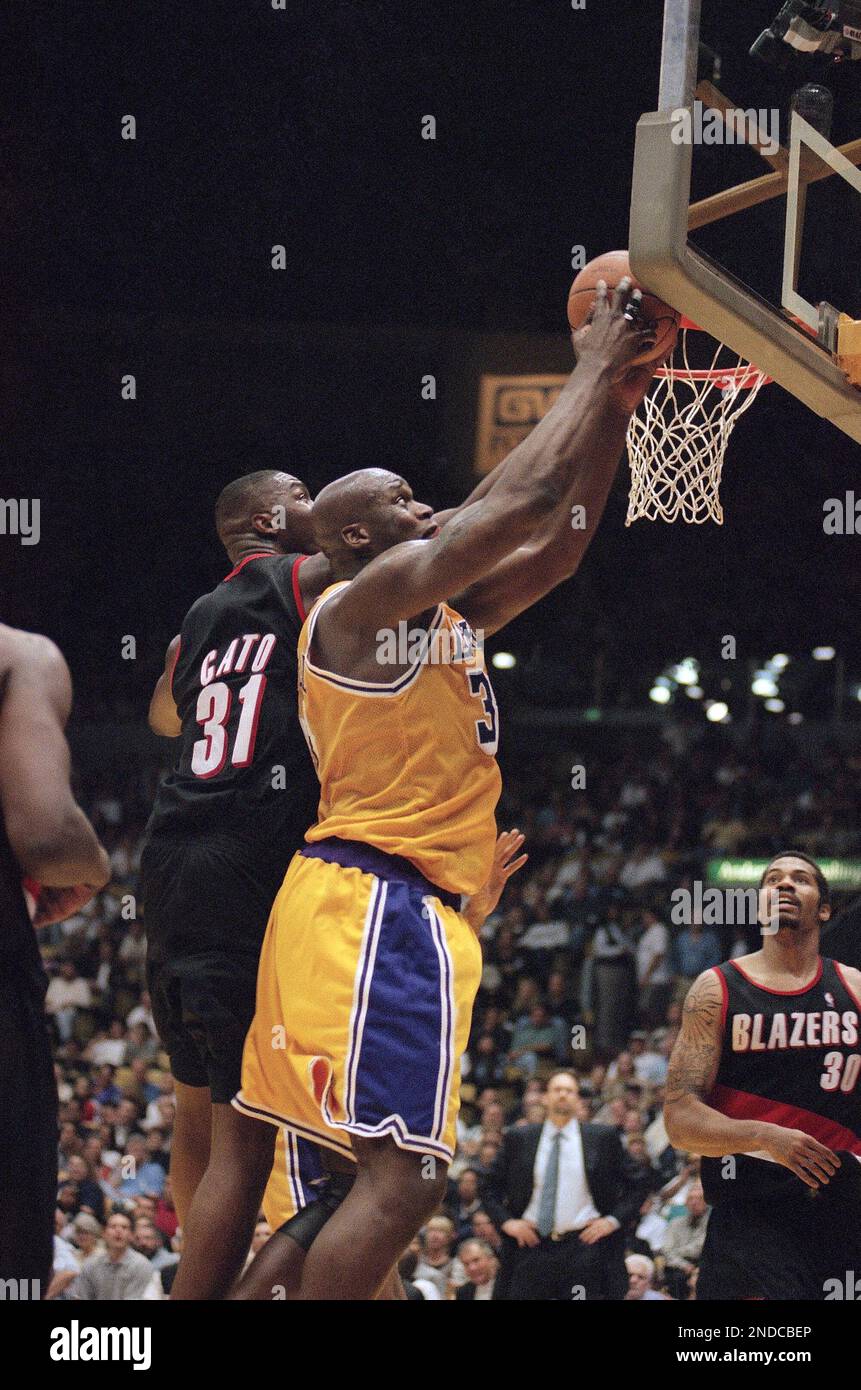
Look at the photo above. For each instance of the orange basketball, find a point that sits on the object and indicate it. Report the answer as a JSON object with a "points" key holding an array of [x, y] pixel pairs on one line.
{"points": [[613, 267]]}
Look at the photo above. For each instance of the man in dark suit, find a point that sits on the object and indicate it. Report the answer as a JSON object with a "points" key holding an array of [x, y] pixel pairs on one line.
{"points": [[558, 1193], [480, 1266]]}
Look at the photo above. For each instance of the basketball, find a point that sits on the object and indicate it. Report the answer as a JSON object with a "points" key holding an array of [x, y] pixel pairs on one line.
{"points": [[613, 267]]}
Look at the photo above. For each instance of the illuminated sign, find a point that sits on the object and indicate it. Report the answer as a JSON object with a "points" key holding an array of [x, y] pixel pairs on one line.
{"points": [[508, 408], [844, 875]]}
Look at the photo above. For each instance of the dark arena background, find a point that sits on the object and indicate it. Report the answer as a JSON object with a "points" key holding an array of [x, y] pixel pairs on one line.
{"points": [[653, 671]]}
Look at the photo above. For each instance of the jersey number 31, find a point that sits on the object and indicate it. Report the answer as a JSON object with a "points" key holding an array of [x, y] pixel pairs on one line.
{"points": [[213, 711]]}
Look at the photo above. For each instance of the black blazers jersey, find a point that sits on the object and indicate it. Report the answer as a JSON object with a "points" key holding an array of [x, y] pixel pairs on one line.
{"points": [[792, 1059], [243, 769]]}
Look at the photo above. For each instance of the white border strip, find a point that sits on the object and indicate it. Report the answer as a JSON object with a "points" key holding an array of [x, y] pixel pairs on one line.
{"points": [[802, 133]]}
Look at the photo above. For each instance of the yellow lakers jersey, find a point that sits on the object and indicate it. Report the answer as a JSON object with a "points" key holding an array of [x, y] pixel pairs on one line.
{"points": [[408, 765]]}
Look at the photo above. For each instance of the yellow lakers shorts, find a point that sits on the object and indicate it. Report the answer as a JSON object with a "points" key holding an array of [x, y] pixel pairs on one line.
{"points": [[367, 979], [295, 1169]]}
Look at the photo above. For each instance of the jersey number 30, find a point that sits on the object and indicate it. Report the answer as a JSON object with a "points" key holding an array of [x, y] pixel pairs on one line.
{"points": [[213, 711], [840, 1072]]}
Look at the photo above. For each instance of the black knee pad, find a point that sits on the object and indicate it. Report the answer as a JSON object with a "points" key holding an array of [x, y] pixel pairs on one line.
{"points": [[306, 1225]]}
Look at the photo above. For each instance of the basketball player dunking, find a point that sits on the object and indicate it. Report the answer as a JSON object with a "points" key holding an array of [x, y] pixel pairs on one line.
{"points": [[226, 822], [369, 970], [764, 1083]]}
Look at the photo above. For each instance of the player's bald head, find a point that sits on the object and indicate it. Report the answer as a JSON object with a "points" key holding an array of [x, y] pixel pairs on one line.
{"points": [[269, 506], [364, 514], [348, 503]]}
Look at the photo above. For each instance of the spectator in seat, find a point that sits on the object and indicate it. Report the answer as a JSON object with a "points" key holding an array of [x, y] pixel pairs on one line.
{"points": [[644, 1179], [141, 1046], [644, 868], [132, 954], [416, 1288], [142, 1013], [67, 995], [165, 1213], [545, 935], [696, 948], [150, 1242], [484, 1229], [90, 1196], [652, 1063], [560, 1000], [107, 1092], [641, 1274], [651, 1229], [492, 1118], [136, 1173], [167, 1275], [614, 983], [437, 1263], [480, 1267], [683, 1242], [486, 1062], [654, 977], [537, 1037], [464, 1203], [87, 1236], [155, 1147], [487, 1151], [108, 1048], [83, 1093], [118, 1274]]}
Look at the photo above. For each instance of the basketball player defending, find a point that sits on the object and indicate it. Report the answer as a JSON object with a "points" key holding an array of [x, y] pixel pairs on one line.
{"points": [[47, 843], [764, 1083], [369, 970]]}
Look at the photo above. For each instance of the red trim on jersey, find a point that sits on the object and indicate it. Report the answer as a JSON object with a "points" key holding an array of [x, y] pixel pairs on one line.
{"points": [[258, 555], [845, 983], [297, 592], [743, 1105], [784, 993], [173, 668], [724, 989]]}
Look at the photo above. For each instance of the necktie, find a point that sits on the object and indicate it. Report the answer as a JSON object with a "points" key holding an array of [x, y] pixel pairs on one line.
{"points": [[547, 1205]]}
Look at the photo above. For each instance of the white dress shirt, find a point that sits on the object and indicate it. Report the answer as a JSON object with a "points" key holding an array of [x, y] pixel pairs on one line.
{"points": [[574, 1204]]}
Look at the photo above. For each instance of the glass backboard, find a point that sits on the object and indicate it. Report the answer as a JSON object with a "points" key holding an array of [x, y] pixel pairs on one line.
{"points": [[746, 207]]}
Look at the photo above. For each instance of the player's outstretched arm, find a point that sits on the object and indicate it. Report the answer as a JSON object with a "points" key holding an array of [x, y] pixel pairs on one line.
{"points": [[554, 552], [49, 835], [163, 718], [692, 1125], [411, 578]]}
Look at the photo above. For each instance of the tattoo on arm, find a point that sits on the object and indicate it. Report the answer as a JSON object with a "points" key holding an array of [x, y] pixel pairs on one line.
{"points": [[696, 1053]]}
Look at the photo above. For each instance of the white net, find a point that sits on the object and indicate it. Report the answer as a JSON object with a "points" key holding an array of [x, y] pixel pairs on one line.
{"points": [[677, 440]]}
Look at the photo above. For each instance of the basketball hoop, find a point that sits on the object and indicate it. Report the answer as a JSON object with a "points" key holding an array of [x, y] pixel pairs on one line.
{"points": [[677, 441]]}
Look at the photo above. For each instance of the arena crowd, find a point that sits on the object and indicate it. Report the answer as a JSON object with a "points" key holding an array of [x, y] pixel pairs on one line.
{"points": [[585, 972]]}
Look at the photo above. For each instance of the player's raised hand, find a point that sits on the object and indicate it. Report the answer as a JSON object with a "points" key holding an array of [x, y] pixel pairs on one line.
{"points": [[506, 862], [614, 332], [809, 1160]]}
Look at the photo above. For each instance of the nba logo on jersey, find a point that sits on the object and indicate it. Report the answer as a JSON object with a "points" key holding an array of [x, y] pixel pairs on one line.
{"points": [[467, 645]]}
